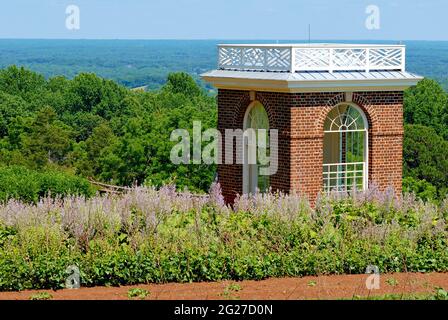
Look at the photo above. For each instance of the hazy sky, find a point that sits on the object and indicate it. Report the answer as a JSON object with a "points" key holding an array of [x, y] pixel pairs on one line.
{"points": [[225, 19]]}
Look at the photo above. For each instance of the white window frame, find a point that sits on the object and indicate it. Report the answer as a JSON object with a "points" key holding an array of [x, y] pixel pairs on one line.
{"points": [[250, 176], [365, 163]]}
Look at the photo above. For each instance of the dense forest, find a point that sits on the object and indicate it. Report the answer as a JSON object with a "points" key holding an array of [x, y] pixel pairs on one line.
{"points": [[132, 63], [91, 127], [147, 63], [56, 132]]}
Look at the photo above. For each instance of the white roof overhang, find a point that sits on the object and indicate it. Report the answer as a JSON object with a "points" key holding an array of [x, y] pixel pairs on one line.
{"points": [[312, 81]]}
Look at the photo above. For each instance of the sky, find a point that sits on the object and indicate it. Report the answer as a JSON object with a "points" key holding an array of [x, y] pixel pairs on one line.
{"points": [[226, 19]]}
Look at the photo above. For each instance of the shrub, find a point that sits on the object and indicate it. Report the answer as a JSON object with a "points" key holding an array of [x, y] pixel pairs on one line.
{"points": [[137, 293], [41, 296], [157, 236], [28, 185], [426, 156], [422, 189]]}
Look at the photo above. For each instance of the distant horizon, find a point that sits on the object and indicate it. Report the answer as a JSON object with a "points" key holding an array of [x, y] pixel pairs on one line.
{"points": [[138, 62], [226, 39]]}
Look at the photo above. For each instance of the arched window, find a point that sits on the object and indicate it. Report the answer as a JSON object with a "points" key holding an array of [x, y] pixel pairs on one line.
{"points": [[256, 149], [345, 149]]}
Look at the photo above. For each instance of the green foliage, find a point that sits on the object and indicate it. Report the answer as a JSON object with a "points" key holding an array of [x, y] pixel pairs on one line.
{"points": [[425, 158], [392, 282], [11, 107], [421, 188], [41, 296], [230, 291], [89, 159], [427, 105], [100, 129], [137, 293], [312, 283], [200, 245], [28, 185], [425, 140], [48, 140], [21, 82], [182, 83], [6, 234], [135, 63], [441, 294]]}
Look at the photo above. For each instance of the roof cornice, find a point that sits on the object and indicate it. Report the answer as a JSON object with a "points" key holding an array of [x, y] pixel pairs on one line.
{"points": [[288, 84]]}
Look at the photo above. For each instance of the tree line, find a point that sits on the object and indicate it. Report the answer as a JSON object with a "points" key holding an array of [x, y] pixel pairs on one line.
{"points": [[91, 127]]}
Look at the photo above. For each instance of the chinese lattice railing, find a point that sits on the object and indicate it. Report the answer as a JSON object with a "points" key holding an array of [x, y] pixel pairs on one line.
{"points": [[312, 57]]}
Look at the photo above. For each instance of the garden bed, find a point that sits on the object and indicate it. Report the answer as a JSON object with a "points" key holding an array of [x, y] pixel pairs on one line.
{"points": [[160, 236], [392, 286]]}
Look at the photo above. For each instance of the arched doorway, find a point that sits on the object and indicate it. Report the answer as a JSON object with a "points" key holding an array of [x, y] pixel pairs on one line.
{"points": [[256, 148], [345, 149]]}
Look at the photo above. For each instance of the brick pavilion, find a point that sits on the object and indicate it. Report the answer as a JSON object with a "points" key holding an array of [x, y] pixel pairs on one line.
{"points": [[337, 108]]}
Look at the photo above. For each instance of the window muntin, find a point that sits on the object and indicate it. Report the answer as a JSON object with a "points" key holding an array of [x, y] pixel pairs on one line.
{"points": [[257, 118], [345, 149], [344, 118]]}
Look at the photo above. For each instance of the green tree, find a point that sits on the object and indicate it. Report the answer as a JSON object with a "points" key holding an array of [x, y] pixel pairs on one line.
{"points": [[422, 189], [427, 104], [126, 160], [82, 123], [182, 82], [101, 138], [97, 128], [89, 93], [426, 156], [11, 107], [20, 81], [48, 140]]}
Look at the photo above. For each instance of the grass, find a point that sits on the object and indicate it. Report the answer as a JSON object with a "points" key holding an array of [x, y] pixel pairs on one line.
{"points": [[41, 296], [312, 283], [138, 293], [392, 282], [438, 294], [230, 290]]}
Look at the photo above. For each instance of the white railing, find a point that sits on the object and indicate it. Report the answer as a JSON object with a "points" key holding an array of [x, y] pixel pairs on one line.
{"points": [[312, 57], [345, 176]]}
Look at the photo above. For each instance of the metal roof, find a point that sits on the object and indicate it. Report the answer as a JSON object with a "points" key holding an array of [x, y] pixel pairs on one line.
{"points": [[314, 76], [312, 81], [311, 67]]}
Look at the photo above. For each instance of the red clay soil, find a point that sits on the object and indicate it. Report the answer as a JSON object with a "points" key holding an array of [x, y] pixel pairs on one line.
{"points": [[321, 287]]}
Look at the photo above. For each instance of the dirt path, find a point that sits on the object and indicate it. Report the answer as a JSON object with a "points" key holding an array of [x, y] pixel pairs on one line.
{"points": [[322, 287]]}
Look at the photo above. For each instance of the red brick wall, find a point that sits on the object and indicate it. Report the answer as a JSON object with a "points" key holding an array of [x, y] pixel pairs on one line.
{"points": [[385, 110], [300, 117], [232, 109]]}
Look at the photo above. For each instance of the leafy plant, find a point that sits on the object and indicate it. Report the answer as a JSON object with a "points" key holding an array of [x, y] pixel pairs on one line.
{"points": [[138, 293], [157, 236], [41, 296], [441, 294], [425, 159], [312, 283], [95, 128], [20, 183], [230, 290], [392, 282]]}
